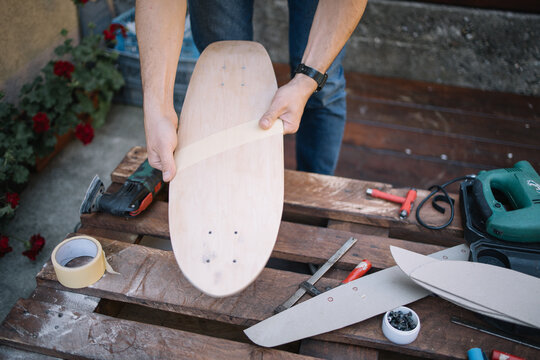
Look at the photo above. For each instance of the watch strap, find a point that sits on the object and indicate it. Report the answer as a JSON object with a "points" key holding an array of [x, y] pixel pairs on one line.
{"points": [[312, 73]]}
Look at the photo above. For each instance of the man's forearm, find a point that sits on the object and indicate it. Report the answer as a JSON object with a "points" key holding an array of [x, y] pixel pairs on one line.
{"points": [[160, 31], [332, 26]]}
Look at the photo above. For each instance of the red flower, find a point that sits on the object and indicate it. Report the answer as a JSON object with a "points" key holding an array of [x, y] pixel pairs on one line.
{"points": [[63, 69], [36, 244], [41, 122], [120, 27], [12, 199], [110, 33], [4, 246], [85, 133]]}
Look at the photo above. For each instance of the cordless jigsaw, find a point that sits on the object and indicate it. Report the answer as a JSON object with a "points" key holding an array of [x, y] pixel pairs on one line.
{"points": [[501, 217], [130, 200]]}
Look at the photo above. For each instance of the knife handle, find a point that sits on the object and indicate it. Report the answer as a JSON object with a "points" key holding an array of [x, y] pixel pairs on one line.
{"points": [[499, 355], [359, 271]]}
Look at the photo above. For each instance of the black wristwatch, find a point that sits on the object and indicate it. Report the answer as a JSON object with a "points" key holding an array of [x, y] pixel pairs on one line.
{"points": [[312, 73]]}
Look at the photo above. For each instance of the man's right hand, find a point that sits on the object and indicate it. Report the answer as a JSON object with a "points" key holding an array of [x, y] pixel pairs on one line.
{"points": [[161, 141]]}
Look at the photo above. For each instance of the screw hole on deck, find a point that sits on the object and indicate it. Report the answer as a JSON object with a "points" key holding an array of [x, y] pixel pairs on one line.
{"points": [[234, 261], [210, 232]]}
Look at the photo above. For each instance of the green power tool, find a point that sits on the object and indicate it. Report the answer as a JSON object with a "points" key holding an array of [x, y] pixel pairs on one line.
{"points": [[130, 200], [501, 217]]}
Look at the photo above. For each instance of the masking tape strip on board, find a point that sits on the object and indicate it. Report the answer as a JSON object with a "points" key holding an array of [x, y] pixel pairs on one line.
{"points": [[85, 275], [224, 140]]}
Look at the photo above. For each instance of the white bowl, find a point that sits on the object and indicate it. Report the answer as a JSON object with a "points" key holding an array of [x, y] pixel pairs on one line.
{"points": [[398, 336]]}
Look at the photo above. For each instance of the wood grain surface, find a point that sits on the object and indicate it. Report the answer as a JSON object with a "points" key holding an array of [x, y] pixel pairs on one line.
{"points": [[151, 278], [335, 351], [224, 209], [414, 133], [295, 242], [331, 197], [58, 330]]}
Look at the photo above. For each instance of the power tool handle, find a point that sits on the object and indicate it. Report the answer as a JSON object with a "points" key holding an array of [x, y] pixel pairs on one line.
{"points": [[151, 178]]}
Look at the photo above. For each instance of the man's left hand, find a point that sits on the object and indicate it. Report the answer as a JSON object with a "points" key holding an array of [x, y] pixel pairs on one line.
{"points": [[288, 104]]}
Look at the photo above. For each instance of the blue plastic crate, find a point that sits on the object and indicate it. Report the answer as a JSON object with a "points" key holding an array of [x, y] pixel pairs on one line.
{"points": [[129, 64]]}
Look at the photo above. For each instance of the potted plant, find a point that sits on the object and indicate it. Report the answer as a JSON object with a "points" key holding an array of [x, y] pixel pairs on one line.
{"points": [[70, 97], [72, 93]]}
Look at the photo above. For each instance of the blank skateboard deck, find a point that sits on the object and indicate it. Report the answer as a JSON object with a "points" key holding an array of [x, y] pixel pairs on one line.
{"points": [[226, 200]]}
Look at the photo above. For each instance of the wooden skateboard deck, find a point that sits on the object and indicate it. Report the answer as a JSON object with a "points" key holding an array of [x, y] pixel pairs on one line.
{"points": [[226, 200]]}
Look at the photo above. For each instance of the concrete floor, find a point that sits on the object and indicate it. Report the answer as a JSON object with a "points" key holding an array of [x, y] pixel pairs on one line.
{"points": [[50, 203]]}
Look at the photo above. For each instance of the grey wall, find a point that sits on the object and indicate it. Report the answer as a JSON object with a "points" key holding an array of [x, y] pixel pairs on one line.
{"points": [[485, 49]]}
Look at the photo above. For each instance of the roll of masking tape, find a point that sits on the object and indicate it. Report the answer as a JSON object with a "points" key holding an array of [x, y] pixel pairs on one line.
{"points": [[85, 275]]}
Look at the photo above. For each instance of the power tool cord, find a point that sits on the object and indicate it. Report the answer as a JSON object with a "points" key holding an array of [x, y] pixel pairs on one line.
{"points": [[445, 197]]}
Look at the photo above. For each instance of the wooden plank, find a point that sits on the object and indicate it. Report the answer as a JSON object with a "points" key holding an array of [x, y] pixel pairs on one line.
{"points": [[225, 202], [109, 233], [133, 159], [452, 98], [295, 242], [400, 169], [79, 302], [298, 243], [336, 351], [59, 331], [330, 197], [358, 228], [191, 324], [442, 121], [421, 94], [289, 152], [153, 221], [7, 352], [151, 277], [344, 199], [434, 144], [391, 118]]}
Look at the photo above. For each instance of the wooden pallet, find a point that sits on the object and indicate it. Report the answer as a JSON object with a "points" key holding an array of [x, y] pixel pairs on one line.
{"points": [[151, 310]]}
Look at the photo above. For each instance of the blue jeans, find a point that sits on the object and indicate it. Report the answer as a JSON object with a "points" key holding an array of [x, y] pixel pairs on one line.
{"points": [[318, 139]]}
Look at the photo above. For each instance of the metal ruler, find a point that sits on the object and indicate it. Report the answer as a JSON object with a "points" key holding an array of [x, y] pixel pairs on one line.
{"points": [[307, 286]]}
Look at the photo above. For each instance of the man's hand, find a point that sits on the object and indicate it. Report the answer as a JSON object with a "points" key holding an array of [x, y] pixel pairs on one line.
{"points": [[161, 141], [288, 104]]}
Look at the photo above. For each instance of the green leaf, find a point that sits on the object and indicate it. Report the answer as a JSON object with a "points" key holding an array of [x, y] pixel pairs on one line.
{"points": [[20, 174], [6, 211]]}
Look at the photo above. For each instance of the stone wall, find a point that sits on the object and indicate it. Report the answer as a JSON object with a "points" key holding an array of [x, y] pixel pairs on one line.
{"points": [[30, 31], [485, 49]]}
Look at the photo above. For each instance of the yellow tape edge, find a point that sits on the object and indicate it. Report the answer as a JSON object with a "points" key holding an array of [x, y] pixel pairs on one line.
{"points": [[223, 141], [85, 275]]}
